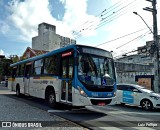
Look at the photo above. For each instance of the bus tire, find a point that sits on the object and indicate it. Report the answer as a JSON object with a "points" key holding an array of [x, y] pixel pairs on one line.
{"points": [[51, 99], [18, 94], [146, 104]]}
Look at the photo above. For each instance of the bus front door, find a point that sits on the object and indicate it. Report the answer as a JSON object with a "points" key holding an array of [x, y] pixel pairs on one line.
{"points": [[27, 78], [67, 77]]}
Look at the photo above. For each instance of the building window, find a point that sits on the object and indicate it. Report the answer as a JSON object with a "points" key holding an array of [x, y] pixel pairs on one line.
{"points": [[47, 27], [28, 55]]}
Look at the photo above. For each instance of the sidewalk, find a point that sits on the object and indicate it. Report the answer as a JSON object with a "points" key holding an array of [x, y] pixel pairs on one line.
{"points": [[5, 90], [16, 111]]}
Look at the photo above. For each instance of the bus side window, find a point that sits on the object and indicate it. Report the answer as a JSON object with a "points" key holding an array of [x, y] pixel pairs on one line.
{"points": [[37, 68], [14, 71], [17, 73], [28, 68], [67, 67], [71, 68], [57, 59], [51, 65], [64, 68], [20, 71], [83, 65]]}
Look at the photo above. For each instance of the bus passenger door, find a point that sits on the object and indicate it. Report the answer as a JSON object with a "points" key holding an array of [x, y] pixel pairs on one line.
{"points": [[67, 77], [27, 78]]}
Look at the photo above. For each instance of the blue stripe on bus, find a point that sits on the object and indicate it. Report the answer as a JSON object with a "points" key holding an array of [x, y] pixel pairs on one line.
{"points": [[45, 55], [97, 94], [51, 53]]}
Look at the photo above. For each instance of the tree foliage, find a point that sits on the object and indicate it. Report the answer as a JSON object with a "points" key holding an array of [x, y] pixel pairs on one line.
{"points": [[5, 69], [15, 59]]}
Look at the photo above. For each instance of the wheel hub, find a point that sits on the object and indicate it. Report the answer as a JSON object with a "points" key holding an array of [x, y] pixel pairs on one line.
{"points": [[51, 98], [146, 105]]}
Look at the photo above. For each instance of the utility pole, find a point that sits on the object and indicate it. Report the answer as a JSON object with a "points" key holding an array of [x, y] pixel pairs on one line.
{"points": [[155, 45]]}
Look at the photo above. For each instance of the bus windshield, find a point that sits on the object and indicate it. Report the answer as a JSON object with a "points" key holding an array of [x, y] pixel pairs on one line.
{"points": [[96, 70]]}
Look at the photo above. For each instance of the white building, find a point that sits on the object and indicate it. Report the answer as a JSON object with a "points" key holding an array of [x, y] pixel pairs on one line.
{"points": [[48, 40]]}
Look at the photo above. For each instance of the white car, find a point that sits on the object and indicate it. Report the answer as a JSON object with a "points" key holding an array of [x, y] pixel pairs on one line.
{"points": [[137, 95], [2, 82]]}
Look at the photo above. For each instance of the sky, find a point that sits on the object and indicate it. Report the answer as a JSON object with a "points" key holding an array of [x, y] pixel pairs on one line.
{"points": [[90, 22]]}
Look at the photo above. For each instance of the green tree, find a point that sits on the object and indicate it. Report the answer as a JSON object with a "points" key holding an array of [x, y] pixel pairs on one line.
{"points": [[5, 69], [15, 58]]}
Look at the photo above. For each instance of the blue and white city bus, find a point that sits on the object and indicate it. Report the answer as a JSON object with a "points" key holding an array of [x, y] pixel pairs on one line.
{"points": [[76, 75]]}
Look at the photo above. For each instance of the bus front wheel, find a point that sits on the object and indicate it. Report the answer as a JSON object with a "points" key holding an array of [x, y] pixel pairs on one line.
{"points": [[51, 99]]}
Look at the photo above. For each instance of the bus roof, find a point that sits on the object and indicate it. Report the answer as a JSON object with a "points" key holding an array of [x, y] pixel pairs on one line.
{"points": [[54, 52]]}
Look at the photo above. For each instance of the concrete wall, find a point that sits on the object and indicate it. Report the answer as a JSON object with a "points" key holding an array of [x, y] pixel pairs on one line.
{"points": [[48, 40], [36, 43], [54, 41], [126, 72], [142, 59]]}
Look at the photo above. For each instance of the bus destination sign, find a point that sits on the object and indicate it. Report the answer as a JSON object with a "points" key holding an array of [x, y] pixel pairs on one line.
{"points": [[66, 54], [96, 52]]}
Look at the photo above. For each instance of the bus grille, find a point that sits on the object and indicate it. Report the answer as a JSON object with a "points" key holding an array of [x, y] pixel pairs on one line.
{"points": [[97, 101], [99, 89]]}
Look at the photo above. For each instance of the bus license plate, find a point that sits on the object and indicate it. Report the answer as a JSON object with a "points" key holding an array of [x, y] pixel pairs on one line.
{"points": [[101, 104]]}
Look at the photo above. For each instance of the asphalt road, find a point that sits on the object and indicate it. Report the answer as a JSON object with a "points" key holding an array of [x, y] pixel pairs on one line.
{"points": [[93, 117], [28, 113], [113, 117]]}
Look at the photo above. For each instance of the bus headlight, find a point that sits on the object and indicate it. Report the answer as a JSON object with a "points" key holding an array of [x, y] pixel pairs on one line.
{"points": [[114, 94], [82, 92]]}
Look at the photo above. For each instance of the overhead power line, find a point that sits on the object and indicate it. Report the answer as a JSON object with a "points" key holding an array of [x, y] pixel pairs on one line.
{"points": [[140, 36], [125, 53], [121, 37], [118, 14], [101, 14], [112, 16], [77, 29]]}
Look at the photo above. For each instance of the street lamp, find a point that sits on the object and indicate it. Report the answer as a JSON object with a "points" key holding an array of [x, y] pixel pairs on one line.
{"points": [[156, 51], [143, 21]]}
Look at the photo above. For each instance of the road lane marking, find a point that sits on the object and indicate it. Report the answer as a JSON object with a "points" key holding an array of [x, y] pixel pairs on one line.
{"points": [[139, 113], [51, 111], [127, 128], [116, 111], [111, 126]]}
